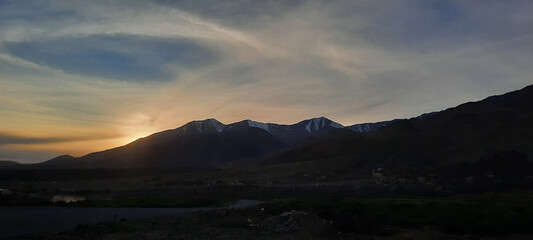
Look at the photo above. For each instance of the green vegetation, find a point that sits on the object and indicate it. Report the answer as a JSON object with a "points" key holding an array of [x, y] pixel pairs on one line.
{"points": [[453, 215]]}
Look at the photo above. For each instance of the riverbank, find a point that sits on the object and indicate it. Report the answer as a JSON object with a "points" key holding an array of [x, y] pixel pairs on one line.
{"points": [[297, 219], [18, 221]]}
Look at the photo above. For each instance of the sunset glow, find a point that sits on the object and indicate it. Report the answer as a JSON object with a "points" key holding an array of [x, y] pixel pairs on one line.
{"points": [[84, 76]]}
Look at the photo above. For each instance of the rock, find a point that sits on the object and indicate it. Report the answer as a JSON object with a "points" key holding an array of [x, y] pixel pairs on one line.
{"points": [[285, 222]]}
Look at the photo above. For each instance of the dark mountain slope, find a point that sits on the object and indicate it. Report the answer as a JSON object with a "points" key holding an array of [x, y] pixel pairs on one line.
{"points": [[6, 163], [291, 134], [200, 144], [467, 133], [370, 127], [58, 161], [192, 151]]}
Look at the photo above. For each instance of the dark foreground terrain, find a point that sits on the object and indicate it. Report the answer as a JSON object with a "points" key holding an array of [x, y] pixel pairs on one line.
{"points": [[487, 216], [304, 204]]}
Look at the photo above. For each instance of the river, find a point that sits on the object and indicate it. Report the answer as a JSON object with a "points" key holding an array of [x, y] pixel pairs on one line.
{"points": [[17, 221]]}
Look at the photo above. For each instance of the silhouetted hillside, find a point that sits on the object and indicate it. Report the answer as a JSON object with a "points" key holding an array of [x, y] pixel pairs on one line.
{"points": [[6, 163], [463, 134]]}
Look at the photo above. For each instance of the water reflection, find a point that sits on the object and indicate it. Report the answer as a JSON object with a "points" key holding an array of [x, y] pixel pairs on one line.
{"points": [[66, 198]]}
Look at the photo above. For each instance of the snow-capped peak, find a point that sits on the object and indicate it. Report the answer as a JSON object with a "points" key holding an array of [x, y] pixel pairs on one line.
{"points": [[207, 126], [264, 126], [311, 126], [369, 127], [214, 124], [315, 124]]}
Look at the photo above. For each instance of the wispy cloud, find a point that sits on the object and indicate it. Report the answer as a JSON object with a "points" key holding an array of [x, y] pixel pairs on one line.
{"points": [[7, 138], [135, 67], [130, 58]]}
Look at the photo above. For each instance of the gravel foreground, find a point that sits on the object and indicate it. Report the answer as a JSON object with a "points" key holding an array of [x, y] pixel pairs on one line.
{"points": [[253, 223]]}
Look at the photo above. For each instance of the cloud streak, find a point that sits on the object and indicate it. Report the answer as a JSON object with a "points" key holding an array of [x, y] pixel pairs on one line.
{"points": [[7, 139], [135, 67], [132, 58]]}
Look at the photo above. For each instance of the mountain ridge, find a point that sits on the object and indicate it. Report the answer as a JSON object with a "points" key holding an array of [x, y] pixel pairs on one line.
{"points": [[313, 126], [183, 145], [8, 163], [484, 134], [212, 142]]}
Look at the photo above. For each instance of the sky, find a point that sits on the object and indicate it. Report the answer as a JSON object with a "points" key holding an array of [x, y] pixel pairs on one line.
{"points": [[84, 76]]}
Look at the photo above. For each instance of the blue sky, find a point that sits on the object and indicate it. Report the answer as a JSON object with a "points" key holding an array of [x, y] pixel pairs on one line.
{"points": [[82, 76], [121, 57]]}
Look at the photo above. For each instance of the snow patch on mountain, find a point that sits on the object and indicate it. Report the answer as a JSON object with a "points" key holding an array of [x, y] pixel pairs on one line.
{"points": [[264, 126], [312, 126], [214, 124], [369, 127], [195, 125], [335, 125], [308, 126], [316, 124]]}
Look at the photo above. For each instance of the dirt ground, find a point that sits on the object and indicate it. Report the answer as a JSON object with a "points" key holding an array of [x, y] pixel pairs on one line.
{"points": [[252, 223]]}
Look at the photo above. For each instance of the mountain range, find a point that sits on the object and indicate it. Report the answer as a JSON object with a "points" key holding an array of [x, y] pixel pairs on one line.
{"points": [[207, 143], [7, 163], [488, 133], [472, 138]]}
